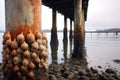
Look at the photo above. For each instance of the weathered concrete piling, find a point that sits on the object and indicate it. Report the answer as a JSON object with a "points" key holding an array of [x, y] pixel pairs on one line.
{"points": [[25, 49]]}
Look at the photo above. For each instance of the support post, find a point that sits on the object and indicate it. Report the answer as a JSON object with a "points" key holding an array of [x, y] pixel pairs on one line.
{"points": [[54, 26], [24, 57], [65, 29], [23, 16], [54, 51], [65, 46], [54, 38], [70, 35], [79, 30]]}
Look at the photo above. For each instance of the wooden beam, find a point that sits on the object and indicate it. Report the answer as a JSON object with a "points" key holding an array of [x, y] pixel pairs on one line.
{"points": [[63, 5]]}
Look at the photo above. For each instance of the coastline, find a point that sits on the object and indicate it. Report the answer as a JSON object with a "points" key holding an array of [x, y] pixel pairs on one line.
{"points": [[77, 70]]}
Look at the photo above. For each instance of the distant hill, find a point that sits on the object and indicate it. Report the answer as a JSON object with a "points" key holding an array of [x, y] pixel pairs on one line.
{"points": [[110, 30], [113, 29], [46, 30]]}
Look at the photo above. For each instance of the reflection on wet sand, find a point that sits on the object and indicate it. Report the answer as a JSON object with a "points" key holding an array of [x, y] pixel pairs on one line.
{"points": [[65, 46], [54, 48], [71, 43]]}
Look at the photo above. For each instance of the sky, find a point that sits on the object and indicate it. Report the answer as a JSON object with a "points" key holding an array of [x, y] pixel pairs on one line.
{"points": [[102, 14]]}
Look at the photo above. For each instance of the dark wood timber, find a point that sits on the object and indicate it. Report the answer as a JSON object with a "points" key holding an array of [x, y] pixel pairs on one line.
{"points": [[66, 6]]}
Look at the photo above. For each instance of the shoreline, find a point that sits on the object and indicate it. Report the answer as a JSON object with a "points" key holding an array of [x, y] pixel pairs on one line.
{"points": [[75, 72], [79, 71]]}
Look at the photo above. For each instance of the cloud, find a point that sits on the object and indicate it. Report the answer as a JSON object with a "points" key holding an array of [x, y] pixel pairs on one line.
{"points": [[103, 13], [2, 14]]}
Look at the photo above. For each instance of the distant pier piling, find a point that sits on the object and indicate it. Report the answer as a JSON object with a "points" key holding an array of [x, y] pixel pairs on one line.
{"points": [[24, 55], [65, 38], [70, 34], [54, 24]]}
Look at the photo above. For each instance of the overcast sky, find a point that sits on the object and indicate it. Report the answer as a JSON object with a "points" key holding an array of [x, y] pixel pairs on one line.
{"points": [[101, 14]]}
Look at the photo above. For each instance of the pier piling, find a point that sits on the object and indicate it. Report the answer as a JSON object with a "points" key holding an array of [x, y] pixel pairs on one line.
{"points": [[25, 55], [79, 32]]}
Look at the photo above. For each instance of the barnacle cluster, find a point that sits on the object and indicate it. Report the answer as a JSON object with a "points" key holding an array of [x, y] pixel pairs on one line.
{"points": [[26, 57]]}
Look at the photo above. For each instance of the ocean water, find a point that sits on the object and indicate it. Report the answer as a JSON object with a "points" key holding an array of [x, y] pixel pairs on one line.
{"points": [[101, 49]]}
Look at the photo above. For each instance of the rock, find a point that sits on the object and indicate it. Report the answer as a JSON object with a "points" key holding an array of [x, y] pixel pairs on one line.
{"points": [[89, 73], [57, 68], [110, 71], [94, 70], [61, 78], [82, 72], [52, 77], [70, 76], [65, 74], [117, 61], [99, 66], [67, 68], [93, 78], [111, 78], [115, 76], [84, 78], [58, 75], [75, 72]]}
